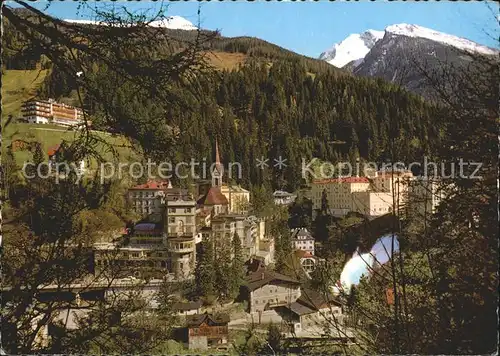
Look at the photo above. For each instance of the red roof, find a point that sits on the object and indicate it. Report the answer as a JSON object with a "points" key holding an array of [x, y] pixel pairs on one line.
{"points": [[303, 254], [52, 150], [152, 184], [343, 180], [213, 197]]}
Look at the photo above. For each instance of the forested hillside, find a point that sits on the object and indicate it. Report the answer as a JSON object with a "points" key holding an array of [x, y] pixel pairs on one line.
{"points": [[268, 111], [273, 103]]}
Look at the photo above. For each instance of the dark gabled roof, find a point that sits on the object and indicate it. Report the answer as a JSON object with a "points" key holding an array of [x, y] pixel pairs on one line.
{"points": [[316, 300], [198, 319], [186, 306], [253, 265], [303, 233], [213, 197], [263, 277], [300, 309]]}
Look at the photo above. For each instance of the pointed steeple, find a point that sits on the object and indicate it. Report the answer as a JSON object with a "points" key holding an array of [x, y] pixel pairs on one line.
{"points": [[218, 169], [217, 156]]}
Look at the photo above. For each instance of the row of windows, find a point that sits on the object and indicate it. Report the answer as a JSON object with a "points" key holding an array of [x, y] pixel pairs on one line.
{"points": [[143, 210], [271, 301], [189, 219], [163, 264], [144, 202], [142, 194], [304, 243], [175, 210]]}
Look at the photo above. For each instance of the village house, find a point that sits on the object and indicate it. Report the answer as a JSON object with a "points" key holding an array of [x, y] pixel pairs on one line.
{"points": [[312, 309], [266, 289], [207, 331], [302, 239]]}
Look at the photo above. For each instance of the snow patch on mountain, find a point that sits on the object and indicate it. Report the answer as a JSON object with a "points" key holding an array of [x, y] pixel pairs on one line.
{"points": [[422, 32], [354, 48], [171, 22]]}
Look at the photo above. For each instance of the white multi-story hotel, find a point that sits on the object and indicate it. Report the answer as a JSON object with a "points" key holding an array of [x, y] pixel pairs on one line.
{"points": [[50, 111]]}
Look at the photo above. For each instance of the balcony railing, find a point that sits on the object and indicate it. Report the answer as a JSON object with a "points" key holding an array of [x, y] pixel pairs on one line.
{"points": [[181, 247]]}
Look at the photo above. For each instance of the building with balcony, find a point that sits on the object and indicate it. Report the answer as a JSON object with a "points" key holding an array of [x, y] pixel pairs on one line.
{"points": [[165, 247], [207, 331], [50, 111], [181, 231]]}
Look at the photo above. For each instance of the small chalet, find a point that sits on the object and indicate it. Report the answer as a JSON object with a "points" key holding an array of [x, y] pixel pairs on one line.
{"points": [[207, 331]]}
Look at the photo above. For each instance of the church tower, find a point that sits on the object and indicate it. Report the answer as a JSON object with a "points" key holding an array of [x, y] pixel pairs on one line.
{"points": [[218, 169]]}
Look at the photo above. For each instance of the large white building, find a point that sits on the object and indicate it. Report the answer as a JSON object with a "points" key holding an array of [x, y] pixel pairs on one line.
{"points": [[339, 193], [381, 193], [50, 111]]}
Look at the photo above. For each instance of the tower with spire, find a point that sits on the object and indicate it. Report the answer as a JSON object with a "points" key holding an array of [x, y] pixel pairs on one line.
{"points": [[218, 170]]}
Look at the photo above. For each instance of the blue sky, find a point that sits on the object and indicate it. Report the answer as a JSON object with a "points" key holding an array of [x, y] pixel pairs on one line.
{"points": [[311, 27]]}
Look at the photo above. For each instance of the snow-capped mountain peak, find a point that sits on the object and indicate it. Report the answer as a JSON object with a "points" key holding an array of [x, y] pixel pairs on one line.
{"points": [[427, 33], [174, 23], [171, 22], [354, 48]]}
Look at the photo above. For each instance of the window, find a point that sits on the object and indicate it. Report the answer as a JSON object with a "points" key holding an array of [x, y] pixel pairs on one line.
{"points": [[171, 220]]}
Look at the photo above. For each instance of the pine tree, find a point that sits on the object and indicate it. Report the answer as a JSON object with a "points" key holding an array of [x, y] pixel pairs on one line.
{"points": [[205, 273], [237, 266], [223, 273]]}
